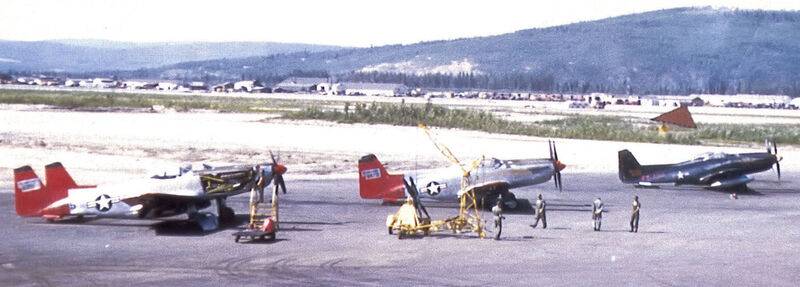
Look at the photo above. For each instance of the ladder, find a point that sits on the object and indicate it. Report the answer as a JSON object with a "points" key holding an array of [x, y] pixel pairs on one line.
{"points": [[261, 210]]}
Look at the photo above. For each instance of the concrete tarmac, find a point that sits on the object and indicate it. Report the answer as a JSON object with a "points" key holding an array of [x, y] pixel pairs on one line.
{"points": [[329, 236]]}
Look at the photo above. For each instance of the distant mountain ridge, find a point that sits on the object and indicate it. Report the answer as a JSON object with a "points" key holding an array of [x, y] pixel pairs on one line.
{"points": [[79, 56], [677, 50]]}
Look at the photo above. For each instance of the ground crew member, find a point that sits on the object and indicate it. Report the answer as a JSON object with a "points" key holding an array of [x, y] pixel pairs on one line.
{"points": [[540, 212], [497, 210], [407, 215], [597, 213], [635, 214]]}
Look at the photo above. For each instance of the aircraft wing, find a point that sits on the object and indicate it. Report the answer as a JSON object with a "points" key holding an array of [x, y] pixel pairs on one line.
{"points": [[486, 187], [148, 199], [719, 175]]}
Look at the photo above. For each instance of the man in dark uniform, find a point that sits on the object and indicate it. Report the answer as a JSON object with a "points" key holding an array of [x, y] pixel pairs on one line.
{"points": [[497, 211], [635, 214], [540, 212]]}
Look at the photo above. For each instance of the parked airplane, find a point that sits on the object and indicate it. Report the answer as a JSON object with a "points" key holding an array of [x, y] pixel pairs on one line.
{"points": [[492, 178], [186, 192], [719, 171]]}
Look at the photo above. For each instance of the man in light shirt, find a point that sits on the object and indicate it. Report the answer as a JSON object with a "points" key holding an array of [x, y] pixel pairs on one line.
{"points": [[497, 211], [540, 212], [597, 213], [635, 214]]}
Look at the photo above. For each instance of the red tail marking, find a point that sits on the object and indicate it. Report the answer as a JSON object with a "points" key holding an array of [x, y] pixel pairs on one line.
{"points": [[57, 177], [31, 197], [375, 183]]}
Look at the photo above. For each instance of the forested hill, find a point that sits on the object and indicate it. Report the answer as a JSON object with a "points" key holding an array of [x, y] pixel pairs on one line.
{"points": [[669, 51], [73, 56]]}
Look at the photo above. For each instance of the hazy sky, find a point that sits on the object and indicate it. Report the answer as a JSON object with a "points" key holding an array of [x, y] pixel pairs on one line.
{"points": [[340, 22]]}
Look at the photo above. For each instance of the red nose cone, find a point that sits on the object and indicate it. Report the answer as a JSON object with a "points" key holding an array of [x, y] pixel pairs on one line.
{"points": [[559, 166], [279, 169]]}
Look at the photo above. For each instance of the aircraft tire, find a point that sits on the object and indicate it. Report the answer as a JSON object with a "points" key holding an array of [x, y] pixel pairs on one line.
{"points": [[510, 197], [227, 215]]}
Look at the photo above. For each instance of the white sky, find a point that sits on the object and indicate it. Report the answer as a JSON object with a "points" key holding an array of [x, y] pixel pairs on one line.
{"points": [[334, 22]]}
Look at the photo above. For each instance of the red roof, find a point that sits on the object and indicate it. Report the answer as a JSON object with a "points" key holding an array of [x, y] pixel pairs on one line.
{"points": [[679, 117]]}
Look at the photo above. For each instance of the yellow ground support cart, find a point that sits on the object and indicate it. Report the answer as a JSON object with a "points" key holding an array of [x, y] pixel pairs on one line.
{"points": [[263, 224], [413, 219]]}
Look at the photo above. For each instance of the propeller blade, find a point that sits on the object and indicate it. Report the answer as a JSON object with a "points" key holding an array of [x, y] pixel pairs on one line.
{"points": [[421, 207], [416, 193], [411, 187], [555, 179], [281, 183], [774, 147], [552, 159], [555, 152], [558, 179], [777, 158], [271, 155]]}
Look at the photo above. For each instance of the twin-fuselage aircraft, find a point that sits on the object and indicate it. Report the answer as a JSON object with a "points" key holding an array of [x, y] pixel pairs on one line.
{"points": [[185, 192]]}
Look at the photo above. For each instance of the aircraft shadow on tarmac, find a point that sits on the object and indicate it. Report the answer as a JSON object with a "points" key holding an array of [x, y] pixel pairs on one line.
{"points": [[276, 240], [629, 231], [523, 206], [322, 202], [784, 187], [551, 228], [182, 227], [314, 222], [96, 221], [295, 228]]}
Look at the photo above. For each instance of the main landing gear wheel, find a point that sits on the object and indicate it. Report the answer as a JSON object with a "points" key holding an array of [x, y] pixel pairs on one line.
{"points": [[227, 215], [509, 201]]}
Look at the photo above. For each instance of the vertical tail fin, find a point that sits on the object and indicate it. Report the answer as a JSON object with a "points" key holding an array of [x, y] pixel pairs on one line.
{"points": [[57, 177], [32, 198], [629, 168], [375, 183]]}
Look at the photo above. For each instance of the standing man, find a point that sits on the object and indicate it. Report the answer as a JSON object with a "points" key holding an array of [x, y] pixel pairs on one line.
{"points": [[597, 213], [635, 214], [540, 215], [497, 210]]}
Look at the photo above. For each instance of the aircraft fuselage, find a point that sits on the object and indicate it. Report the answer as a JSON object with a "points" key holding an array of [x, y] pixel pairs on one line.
{"points": [[445, 184], [713, 170]]}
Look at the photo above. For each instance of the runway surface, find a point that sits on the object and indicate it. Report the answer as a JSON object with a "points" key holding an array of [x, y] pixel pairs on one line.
{"points": [[330, 236]]}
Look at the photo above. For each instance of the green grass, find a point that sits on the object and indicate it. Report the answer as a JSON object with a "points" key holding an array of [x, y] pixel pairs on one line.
{"points": [[781, 133], [88, 100], [576, 127]]}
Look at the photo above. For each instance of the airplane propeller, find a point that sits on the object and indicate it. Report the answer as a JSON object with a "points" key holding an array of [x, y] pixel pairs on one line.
{"points": [[278, 170], [557, 165], [772, 148], [411, 188]]}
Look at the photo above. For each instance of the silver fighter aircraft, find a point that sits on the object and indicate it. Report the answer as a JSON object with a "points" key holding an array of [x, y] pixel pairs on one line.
{"points": [[491, 179]]}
